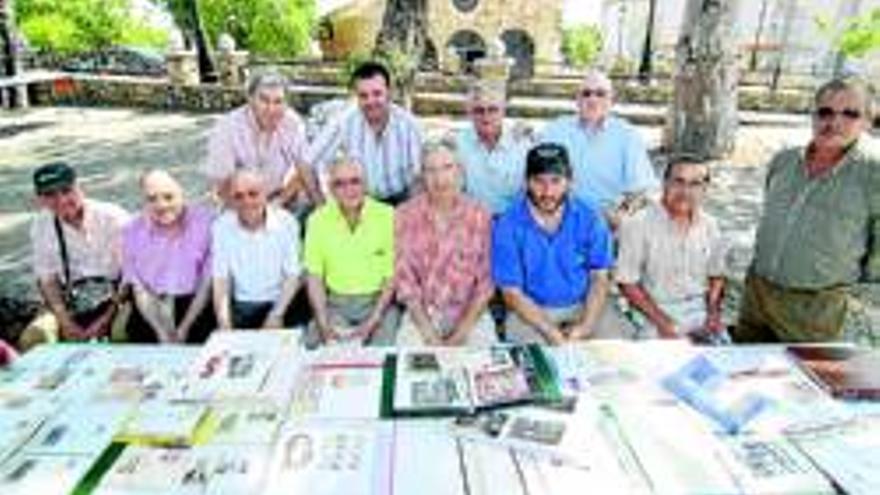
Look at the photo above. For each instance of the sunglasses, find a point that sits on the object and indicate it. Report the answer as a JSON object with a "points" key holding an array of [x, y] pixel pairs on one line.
{"points": [[249, 194], [487, 110], [828, 113], [598, 93], [343, 183]]}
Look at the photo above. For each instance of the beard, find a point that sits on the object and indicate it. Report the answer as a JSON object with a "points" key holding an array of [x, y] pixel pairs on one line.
{"points": [[546, 204]]}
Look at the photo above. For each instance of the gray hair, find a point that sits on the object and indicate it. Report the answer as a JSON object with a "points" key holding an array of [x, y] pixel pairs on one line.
{"points": [[438, 144], [596, 74], [342, 159], [270, 78], [853, 84], [487, 90]]}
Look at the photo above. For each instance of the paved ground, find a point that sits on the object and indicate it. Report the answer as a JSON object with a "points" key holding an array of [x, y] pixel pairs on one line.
{"points": [[112, 147]]}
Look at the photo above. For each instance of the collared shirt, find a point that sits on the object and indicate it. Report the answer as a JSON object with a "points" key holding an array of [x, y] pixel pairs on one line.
{"points": [[391, 159], [672, 264], [95, 250], [493, 176], [168, 261], [351, 261], [552, 268], [444, 270], [821, 232], [607, 161], [257, 263], [237, 142]]}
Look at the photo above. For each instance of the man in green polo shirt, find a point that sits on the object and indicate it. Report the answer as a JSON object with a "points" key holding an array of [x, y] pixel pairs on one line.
{"points": [[349, 260], [820, 229]]}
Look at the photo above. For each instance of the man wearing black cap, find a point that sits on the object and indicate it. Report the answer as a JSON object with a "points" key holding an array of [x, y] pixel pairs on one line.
{"points": [[77, 245], [551, 256]]}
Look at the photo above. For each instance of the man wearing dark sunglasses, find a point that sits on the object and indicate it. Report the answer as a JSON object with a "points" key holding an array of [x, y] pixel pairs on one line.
{"points": [[608, 156], [820, 228], [349, 261]]}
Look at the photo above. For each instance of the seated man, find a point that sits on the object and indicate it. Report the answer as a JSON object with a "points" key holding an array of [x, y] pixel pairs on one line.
{"points": [[442, 260], [349, 260], [255, 264], [266, 135], [550, 257], [610, 162], [77, 245], [166, 261], [383, 137], [492, 153], [670, 265]]}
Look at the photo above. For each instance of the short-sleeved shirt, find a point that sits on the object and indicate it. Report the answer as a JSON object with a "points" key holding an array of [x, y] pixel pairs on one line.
{"points": [[351, 261], [822, 232], [168, 261], [95, 250], [551, 268], [443, 270], [257, 263], [237, 142], [608, 161], [391, 159], [494, 176], [672, 264]]}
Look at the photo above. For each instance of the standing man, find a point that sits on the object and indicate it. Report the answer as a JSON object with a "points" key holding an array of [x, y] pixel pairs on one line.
{"points": [[265, 135], [551, 254], [670, 265], [492, 152], [383, 137], [255, 261], [442, 260], [611, 165], [820, 228], [349, 260], [77, 246]]}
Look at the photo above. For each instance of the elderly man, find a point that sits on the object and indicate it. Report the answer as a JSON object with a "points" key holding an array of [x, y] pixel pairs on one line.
{"points": [[266, 135], [551, 254], [442, 260], [349, 260], [384, 138], [819, 231], [166, 260], [492, 152], [609, 158], [255, 262], [670, 264], [77, 253]]}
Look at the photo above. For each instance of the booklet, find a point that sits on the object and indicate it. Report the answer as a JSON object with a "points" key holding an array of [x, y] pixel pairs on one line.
{"points": [[30, 474], [235, 423], [85, 429], [442, 382], [846, 372], [341, 390], [164, 423]]}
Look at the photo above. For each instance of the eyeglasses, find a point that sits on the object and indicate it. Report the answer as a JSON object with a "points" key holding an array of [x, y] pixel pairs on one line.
{"points": [[343, 183], [486, 110], [249, 193], [598, 93], [828, 113]]}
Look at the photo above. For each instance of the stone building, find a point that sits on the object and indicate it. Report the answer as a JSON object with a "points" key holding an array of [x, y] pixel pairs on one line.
{"points": [[460, 32]]}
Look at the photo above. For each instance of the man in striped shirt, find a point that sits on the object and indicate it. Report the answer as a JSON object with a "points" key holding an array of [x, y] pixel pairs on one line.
{"points": [[382, 136]]}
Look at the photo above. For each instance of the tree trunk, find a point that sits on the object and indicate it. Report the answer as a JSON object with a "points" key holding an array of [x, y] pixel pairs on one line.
{"points": [[402, 40], [10, 56], [647, 48], [703, 114], [207, 70]]}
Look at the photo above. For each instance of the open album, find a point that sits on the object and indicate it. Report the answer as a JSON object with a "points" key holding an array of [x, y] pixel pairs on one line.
{"points": [[438, 382]]}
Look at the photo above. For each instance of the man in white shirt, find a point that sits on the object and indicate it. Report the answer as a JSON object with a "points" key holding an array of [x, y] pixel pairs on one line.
{"points": [[255, 263], [383, 137]]}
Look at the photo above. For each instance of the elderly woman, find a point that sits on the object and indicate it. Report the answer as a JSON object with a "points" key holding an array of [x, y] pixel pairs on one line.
{"points": [[166, 261]]}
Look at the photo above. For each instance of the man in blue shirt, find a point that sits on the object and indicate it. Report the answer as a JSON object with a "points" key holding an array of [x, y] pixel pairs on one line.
{"points": [[551, 256], [609, 157]]}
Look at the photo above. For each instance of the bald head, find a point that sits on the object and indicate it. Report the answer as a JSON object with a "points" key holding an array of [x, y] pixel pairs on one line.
{"points": [[248, 193], [163, 197], [594, 97]]}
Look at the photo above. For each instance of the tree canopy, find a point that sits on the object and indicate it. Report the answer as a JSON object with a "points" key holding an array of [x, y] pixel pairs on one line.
{"points": [[65, 26]]}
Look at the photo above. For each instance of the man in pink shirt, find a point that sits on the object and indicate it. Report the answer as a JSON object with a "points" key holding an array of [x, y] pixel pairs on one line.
{"points": [[167, 261], [442, 266], [265, 135]]}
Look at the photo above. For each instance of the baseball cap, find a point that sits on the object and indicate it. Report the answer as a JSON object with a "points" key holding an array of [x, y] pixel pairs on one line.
{"points": [[53, 176], [548, 158]]}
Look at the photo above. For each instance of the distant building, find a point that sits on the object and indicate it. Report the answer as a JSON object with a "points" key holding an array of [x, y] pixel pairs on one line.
{"points": [[460, 31]]}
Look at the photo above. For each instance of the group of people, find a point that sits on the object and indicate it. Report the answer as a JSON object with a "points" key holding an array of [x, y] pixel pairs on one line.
{"points": [[369, 235]]}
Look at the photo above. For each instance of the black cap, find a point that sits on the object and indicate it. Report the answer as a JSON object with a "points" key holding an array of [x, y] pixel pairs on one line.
{"points": [[53, 176], [548, 158]]}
